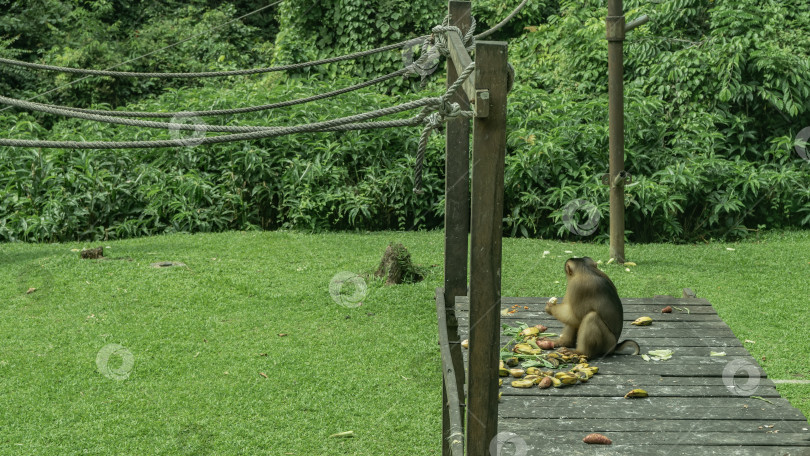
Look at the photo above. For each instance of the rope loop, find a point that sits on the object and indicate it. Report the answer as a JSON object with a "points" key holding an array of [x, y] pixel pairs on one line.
{"points": [[469, 38]]}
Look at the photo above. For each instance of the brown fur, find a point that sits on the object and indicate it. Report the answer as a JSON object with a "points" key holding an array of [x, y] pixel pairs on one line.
{"points": [[591, 311]]}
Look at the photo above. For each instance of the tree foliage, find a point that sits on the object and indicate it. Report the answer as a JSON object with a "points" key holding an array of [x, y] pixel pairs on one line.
{"points": [[715, 94]]}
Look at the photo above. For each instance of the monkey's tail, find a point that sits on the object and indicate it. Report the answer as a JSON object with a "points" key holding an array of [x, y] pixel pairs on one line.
{"points": [[627, 343]]}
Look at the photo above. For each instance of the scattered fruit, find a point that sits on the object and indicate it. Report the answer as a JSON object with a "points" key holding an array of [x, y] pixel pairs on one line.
{"points": [[545, 382], [465, 343], [530, 331], [522, 383], [517, 373], [642, 321], [638, 392], [545, 344], [597, 439], [667, 309], [523, 349]]}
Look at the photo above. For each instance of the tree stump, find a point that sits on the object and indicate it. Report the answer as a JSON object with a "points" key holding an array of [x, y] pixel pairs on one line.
{"points": [[396, 266], [93, 254]]}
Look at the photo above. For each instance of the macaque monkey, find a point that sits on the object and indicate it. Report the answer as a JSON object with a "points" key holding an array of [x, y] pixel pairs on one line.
{"points": [[591, 311]]}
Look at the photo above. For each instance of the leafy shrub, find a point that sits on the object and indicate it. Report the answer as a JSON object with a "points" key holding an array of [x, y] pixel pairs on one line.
{"points": [[309, 181]]}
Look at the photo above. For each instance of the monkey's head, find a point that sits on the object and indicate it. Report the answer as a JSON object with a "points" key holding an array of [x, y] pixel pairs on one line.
{"points": [[578, 265]]}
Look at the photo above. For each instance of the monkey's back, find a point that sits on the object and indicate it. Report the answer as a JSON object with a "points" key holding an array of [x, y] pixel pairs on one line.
{"points": [[598, 293]]}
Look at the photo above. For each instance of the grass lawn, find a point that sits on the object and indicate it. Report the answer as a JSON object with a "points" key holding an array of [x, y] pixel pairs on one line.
{"points": [[210, 373]]}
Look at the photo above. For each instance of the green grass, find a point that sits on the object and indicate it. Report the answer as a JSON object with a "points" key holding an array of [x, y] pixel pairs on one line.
{"points": [[198, 335]]}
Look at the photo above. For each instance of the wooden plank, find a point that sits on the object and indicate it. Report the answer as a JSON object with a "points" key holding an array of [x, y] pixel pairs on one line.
{"points": [[489, 148], [682, 352], [661, 300], [724, 338], [674, 404], [646, 409], [461, 60], [699, 321], [657, 343], [456, 218], [452, 428], [651, 310], [641, 380], [589, 425], [457, 179], [581, 449], [598, 388], [664, 438]]}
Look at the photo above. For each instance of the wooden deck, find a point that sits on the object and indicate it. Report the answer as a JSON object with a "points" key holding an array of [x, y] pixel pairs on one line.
{"points": [[696, 405]]}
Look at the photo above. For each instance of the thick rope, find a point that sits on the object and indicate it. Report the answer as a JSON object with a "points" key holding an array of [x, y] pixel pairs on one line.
{"points": [[222, 112], [31, 106], [355, 122], [505, 21], [212, 74], [413, 68], [446, 110]]}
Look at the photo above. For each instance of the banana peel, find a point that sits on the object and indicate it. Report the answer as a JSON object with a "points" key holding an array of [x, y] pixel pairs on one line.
{"points": [[642, 321], [638, 392]]}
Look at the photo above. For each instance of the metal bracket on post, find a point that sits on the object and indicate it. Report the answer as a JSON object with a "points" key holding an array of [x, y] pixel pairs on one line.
{"points": [[481, 103], [615, 28], [641, 20], [622, 179]]}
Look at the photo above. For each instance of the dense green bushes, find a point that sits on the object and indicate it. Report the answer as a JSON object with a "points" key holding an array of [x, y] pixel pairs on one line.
{"points": [[714, 97], [310, 181], [103, 34]]}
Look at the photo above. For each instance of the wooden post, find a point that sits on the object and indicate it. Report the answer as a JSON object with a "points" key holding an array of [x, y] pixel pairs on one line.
{"points": [[615, 37], [489, 149], [456, 221], [457, 178]]}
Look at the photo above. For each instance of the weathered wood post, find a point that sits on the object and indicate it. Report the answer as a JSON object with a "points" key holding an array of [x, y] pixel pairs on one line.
{"points": [[456, 219], [615, 37], [617, 177], [489, 149]]}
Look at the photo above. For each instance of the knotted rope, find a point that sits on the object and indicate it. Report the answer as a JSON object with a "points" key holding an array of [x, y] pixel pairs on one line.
{"points": [[444, 111]]}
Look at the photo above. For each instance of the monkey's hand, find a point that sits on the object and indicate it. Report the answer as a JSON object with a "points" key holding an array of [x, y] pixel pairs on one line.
{"points": [[550, 305]]}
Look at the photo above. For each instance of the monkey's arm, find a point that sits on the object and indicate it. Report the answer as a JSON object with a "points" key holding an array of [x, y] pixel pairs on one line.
{"points": [[564, 313]]}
